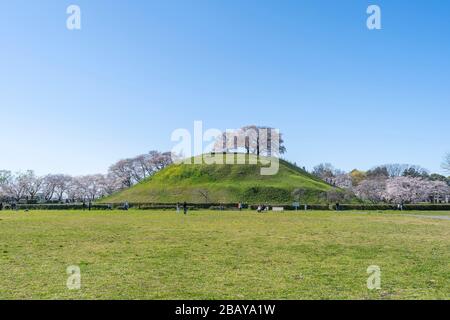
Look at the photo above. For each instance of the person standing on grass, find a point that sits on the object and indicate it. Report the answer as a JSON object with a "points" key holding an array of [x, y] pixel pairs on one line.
{"points": [[240, 206], [84, 205], [178, 207], [185, 208], [89, 205], [1, 206]]}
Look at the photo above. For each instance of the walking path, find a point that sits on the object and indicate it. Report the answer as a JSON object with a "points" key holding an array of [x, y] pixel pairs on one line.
{"points": [[425, 216], [415, 215]]}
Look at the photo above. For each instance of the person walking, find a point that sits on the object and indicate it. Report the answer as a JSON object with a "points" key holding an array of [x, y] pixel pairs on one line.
{"points": [[185, 208]]}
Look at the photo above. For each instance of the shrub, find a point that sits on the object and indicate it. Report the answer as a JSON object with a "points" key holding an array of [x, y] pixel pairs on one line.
{"points": [[65, 206], [427, 207], [231, 206], [364, 207]]}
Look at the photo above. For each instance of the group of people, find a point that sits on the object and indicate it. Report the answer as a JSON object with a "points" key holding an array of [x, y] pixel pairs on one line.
{"points": [[185, 207], [88, 206], [240, 206], [262, 208], [12, 206]]}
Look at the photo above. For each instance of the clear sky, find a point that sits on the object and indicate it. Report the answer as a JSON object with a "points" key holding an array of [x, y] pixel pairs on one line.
{"points": [[76, 101]]}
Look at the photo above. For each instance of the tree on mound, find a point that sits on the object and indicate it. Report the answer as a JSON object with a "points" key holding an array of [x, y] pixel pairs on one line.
{"points": [[259, 140]]}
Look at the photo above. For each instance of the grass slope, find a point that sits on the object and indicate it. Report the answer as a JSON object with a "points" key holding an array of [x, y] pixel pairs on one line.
{"points": [[225, 184], [222, 255]]}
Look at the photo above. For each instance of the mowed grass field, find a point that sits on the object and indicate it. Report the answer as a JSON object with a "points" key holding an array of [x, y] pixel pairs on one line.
{"points": [[223, 255]]}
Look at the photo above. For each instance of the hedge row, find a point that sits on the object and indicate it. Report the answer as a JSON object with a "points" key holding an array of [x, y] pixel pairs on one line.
{"points": [[231, 206], [68, 206], [302, 207], [408, 207], [366, 207], [426, 207]]}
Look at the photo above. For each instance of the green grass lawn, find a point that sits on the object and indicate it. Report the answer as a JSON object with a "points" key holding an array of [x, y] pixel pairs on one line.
{"points": [[223, 255]]}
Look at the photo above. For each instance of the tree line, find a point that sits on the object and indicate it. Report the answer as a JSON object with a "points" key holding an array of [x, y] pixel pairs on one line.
{"points": [[391, 183], [27, 186]]}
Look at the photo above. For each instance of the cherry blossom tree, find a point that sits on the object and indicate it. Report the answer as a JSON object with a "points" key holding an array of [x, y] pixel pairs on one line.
{"points": [[343, 180], [371, 190], [5, 180], [33, 183], [324, 171], [62, 184], [122, 170], [259, 140], [438, 190], [159, 160], [49, 186], [134, 170], [15, 186], [110, 184], [407, 189]]}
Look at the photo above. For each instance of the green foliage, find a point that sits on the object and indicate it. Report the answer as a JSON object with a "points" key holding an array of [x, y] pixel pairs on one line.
{"points": [[427, 207], [261, 194], [357, 176]]}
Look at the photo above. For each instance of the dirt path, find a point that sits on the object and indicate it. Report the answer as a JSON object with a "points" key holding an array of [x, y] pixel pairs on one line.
{"points": [[424, 216]]}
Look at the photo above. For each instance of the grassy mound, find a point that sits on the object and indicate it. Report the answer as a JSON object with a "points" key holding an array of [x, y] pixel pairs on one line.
{"points": [[224, 183]]}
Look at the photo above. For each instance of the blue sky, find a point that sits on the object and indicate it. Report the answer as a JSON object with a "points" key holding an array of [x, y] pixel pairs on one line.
{"points": [[76, 101]]}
